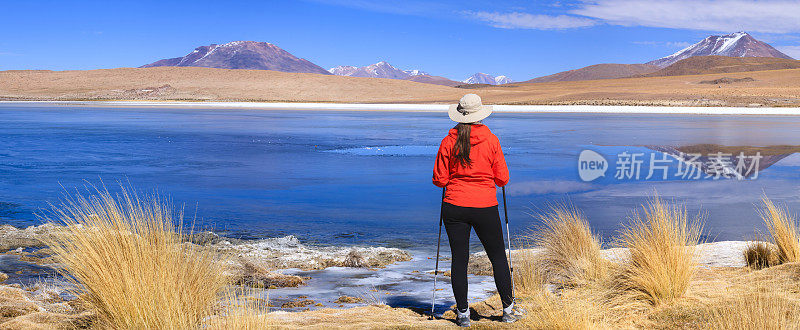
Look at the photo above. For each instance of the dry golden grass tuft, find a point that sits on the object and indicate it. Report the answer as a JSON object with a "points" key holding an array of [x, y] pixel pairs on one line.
{"points": [[547, 311], [783, 230], [661, 242], [126, 257], [756, 310], [570, 252], [760, 255], [243, 311], [568, 256], [528, 279]]}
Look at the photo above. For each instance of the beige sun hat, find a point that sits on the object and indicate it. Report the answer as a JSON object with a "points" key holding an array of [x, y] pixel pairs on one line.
{"points": [[469, 109]]}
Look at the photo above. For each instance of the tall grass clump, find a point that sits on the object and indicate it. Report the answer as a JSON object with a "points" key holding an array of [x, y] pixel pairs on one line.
{"points": [[527, 275], [783, 230], [662, 262], [760, 255], [546, 310], [126, 257], [570, 253], [551, 312], [243, 311]]}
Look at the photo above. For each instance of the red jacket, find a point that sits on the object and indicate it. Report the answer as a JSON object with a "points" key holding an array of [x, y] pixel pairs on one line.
{"points": [[472, 186]]}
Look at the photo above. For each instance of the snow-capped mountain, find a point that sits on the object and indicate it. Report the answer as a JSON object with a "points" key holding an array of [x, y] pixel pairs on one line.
{"points": [[242, 55], [482, 78], [377, 70], [499, 80], [386, 70], [412, 73], [739, 44], [343, 70]]}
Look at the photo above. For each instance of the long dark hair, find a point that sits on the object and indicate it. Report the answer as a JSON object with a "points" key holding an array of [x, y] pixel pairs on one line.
{"points": [[461, 148]]}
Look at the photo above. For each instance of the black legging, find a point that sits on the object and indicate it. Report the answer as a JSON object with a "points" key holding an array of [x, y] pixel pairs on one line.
{"points": [[459, 221]]}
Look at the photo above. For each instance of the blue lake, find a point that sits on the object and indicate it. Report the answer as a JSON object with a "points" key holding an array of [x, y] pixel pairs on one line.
{"points": [[338, 177]]}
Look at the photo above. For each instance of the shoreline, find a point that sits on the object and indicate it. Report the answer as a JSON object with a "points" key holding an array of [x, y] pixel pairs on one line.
{"points": [[399, 107], [316, 272]]}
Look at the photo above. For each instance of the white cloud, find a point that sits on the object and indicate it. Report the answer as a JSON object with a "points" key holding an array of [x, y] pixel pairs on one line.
{"points": [[793, 51], [770, 16], [765, 16], [517, 20]]}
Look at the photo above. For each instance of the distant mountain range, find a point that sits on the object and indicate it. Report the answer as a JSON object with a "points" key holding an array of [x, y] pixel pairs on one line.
{"points": [[710, 55], [377, 70], [385, 70], [242, 55], [254, 55], [482, 78]]}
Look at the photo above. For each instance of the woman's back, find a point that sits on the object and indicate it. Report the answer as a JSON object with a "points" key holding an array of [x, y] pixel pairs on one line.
{"points": [[469, 164], [471, 185]]}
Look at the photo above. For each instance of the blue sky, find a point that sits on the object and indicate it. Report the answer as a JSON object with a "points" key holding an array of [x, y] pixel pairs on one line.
{"points": [[521, 39]]}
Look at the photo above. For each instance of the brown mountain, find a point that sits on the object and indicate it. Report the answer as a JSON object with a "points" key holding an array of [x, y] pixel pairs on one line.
{"points": [[250, 55], [598, 71], [436, 80], [739, 44], [723, 64]]}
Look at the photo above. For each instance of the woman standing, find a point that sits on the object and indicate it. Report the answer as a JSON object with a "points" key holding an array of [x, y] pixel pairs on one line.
{"points": [[469, 165]]}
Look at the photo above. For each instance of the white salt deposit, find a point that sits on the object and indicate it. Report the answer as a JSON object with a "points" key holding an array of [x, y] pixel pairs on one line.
{"points": [[404, 284], [429, 107], [289, 252]]}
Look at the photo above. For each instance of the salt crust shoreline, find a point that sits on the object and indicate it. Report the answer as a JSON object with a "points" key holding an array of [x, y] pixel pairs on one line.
{"points": [[288, 252], [595, 109], [709, 255]]}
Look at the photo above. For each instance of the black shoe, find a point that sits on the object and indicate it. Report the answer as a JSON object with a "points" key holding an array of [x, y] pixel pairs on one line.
{"points": [[462, 318]]}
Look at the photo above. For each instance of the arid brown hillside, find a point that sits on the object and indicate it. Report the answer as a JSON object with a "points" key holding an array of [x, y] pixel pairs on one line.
{"points": [[205, 84], [724, 64], [767, 88], [436, 80], [598, 71]]}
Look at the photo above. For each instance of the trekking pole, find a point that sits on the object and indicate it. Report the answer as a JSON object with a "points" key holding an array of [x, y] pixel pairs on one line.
{"points": [[438, 245], [508, 234]]}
